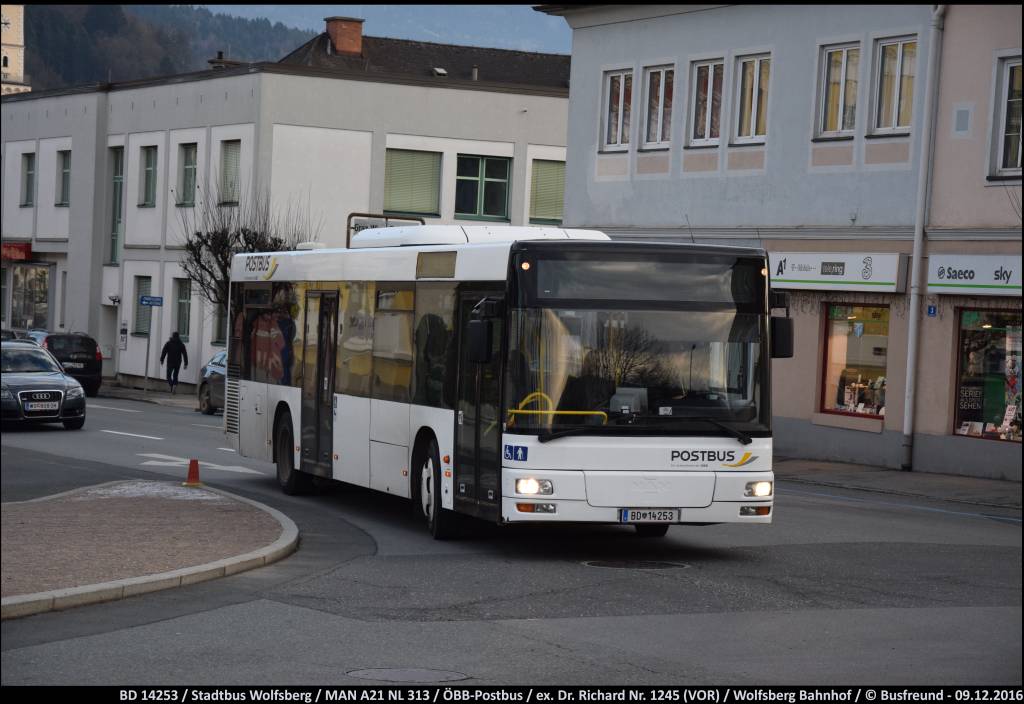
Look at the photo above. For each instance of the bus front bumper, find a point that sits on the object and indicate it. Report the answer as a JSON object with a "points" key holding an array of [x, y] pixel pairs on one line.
{"points": [[584, 496]]}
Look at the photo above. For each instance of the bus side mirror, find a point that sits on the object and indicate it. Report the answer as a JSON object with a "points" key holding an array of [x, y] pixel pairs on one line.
{"points": [[479, 336], [782, 337]]}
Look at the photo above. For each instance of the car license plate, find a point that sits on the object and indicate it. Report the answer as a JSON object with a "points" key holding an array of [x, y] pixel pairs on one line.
{"points": [[649, 515], [74, 365], [42, 405]]}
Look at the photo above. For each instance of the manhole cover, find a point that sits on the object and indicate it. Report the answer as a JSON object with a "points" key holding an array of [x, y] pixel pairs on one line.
{"points": [[384, 674], [636, 564]]}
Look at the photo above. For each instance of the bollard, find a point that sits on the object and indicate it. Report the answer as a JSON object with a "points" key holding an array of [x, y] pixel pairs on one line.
{"points": [[193, 474]]}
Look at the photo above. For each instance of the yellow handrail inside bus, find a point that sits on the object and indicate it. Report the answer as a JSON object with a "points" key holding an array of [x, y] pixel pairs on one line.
{"points": [[535, 395], [516, 411]]}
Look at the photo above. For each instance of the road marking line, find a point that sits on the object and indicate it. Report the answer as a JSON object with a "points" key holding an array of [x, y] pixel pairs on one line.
{"points": [[134, 435], [111, 408], [226, 449], [204, 425], [172, 461]]}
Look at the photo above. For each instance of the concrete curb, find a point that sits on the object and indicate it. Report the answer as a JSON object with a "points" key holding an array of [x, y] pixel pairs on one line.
{"points": [[894, 492], [113, 393], [58, 599]]}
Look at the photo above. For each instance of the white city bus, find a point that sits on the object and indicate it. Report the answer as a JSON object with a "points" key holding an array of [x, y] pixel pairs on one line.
{"points": [[513, 374]]}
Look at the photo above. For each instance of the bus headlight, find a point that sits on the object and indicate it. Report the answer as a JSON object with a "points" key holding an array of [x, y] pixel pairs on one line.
{"points": [[534, 486], [759, 489]]}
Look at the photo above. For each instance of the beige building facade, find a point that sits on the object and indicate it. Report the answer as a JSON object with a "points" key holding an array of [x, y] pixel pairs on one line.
{"points": [[12, 34]]}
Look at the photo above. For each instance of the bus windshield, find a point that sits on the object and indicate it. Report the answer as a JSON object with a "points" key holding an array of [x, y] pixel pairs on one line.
{"points": [[677, 348]]}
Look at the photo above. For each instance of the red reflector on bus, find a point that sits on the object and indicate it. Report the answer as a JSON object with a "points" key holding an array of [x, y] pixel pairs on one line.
{"points": [[525, 508]]}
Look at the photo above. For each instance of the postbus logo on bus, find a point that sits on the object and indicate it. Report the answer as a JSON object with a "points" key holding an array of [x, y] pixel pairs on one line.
{"points": [[261, 264], [704, 458]]}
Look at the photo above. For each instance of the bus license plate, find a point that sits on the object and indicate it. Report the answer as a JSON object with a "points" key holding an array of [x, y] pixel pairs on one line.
{"points": [[649, 515], [42, 406]]}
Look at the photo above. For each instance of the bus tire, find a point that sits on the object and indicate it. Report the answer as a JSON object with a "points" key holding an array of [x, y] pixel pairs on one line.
{"points": [[292, 481], [652, 530], [441, 522]]}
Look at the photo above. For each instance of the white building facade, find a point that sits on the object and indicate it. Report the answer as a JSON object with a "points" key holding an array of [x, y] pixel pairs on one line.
{"points": [[100, 181]]}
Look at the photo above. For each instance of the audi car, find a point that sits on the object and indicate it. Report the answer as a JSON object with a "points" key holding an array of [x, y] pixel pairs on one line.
{"points": [[35, 388]]}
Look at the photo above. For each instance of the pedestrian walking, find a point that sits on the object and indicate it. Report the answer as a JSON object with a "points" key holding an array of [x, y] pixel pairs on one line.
{"points": [[174, 352]]}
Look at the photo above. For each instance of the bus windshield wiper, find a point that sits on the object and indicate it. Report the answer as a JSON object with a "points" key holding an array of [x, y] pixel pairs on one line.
{"points": [[575, 430], [738, 434]]}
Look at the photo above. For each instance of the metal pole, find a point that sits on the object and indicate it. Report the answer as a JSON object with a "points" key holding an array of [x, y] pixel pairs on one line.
{"points": [[920, 218], [149, 338]]}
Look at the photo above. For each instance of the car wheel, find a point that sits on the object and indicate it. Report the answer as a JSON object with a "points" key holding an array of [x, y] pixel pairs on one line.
{"points": [[205, 405], [74, 423], [441, 522], [291, 480], [652, 530]]}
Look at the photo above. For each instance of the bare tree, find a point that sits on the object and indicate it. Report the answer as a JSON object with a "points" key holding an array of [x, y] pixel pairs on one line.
{"points": [[214, 233]]}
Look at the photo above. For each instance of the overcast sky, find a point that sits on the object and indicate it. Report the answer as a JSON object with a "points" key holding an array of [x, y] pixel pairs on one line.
{"points": [[499, 26]]}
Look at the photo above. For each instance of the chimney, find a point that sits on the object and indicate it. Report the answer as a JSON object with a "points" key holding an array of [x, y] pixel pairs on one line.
{"points": [[346, 35], [220, 62]]}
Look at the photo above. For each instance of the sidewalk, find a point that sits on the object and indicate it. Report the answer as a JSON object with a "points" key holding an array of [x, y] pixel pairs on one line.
{"points": [[158, 393], [942, 487], [119, 539]]}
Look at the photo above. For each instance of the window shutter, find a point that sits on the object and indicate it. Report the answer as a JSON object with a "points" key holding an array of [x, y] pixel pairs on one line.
{"points": [[230, 155], [547, 190], [142, 313], [412, 181]]}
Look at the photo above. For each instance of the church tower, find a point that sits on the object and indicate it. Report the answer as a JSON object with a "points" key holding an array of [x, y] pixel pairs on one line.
{"points": [[13, 36]]}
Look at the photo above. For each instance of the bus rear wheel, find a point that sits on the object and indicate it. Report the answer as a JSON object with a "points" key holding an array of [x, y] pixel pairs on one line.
{"points": [[441, 522], [291, 480], [652, 530]]}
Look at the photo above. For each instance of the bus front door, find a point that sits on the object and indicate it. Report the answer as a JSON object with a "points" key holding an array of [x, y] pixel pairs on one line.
{"points": [[318, 382], [478, 421]]}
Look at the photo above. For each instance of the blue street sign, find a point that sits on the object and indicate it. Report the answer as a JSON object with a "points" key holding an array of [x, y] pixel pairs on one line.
{"points": [[932, 310], [156, 301]]}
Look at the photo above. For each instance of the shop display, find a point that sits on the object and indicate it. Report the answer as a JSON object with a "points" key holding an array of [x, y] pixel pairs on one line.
{"points": [[855, 373], [988, 380]]}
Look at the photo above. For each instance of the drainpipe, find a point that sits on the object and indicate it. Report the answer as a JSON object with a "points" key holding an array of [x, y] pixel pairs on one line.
{"points": [[920, 219]]}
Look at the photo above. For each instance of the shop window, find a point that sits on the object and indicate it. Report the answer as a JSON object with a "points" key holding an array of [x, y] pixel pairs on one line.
{"points": [[30, 296], [856, 350], [988, 375]]}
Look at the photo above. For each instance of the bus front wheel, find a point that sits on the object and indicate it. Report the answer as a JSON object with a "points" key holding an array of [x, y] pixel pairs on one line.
{"points": [[291, 480], [441, 522]]}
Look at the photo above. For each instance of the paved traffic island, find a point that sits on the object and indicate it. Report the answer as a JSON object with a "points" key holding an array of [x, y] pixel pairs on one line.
{"points": [[116, 540]]}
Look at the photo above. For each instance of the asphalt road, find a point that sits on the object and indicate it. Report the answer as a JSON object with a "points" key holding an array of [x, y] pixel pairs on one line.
{"points": [[844, 588]]}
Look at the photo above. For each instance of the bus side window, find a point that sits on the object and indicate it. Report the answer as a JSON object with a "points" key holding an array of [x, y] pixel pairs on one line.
{"points": [[434, 360], [355, 342]]}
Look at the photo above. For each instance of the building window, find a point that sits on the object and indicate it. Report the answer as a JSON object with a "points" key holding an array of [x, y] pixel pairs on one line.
{"points": [[707, 102], [30, 296], [63, 178], [187, 176], [220, 325], [412, 182], [856, 349], [63, 296], [838, 90], [230, 154], [618, 90], [988, 375], [481, 186], [752, 103], [658, 83], [894, 94], [28, 179], [182, 307], [116, 203], [547, 192], [143, 314], [1009, 118], [148, 177]]}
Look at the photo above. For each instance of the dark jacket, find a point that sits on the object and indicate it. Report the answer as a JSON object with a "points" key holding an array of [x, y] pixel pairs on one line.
{"points": [[174, 351]]}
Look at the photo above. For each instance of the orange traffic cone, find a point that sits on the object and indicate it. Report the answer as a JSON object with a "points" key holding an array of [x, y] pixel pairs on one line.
{"points": [[193, 474]]}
